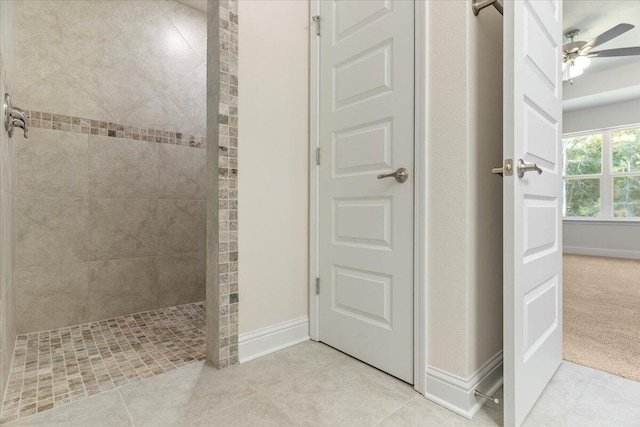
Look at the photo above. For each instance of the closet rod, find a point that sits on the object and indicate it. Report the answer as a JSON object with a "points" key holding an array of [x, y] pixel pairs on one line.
{"points": [[478, 5]]}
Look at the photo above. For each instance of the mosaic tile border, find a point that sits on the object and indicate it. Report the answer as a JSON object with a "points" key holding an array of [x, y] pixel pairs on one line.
{"points": [[228, 184], [41, 120], [56, 367]]}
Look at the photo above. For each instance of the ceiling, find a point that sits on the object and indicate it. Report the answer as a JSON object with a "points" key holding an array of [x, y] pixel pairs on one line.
{"points": [[593, 17]]}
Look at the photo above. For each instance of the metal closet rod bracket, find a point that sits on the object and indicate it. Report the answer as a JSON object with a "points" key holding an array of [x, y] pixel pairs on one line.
{"points": [[478, 5]]}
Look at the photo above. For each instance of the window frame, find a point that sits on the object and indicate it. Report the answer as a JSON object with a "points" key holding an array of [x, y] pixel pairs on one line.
{"points": [[606, 176]]}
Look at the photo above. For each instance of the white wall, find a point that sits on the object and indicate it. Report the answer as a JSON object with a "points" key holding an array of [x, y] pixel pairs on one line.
{"points": [[465, 142], [603, 116], [602, 238], [273, 182], [465, 199]]}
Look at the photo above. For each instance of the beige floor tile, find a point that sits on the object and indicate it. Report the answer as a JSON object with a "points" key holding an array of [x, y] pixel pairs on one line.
{"points": [[285, 365], [560, 396], [607, 401], [346, 392], [183, 396], [257, 411], [420, 412], [104, 410]]}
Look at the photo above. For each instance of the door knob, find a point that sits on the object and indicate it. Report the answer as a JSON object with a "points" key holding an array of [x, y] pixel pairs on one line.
{"points": [[401, 175], [524, 167]]}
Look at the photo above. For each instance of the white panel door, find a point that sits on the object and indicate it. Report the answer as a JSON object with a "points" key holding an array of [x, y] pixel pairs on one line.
{"points": [[366, 223], [532, 203]]}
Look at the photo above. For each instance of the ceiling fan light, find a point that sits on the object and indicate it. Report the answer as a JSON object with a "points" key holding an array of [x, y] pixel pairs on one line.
{"points": [[570, 72], [582, 62], [575, 72]]}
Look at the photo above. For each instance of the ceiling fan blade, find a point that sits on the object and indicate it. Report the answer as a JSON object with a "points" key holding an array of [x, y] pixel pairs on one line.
{"points": [[606, 36], [610, 53]]}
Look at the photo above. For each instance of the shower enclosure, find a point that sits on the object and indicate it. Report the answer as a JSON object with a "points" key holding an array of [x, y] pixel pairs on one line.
{"points": [[109, 260]]}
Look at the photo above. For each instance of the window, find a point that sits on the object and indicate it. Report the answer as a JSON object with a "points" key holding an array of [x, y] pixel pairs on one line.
{"points": [[602, 174]]}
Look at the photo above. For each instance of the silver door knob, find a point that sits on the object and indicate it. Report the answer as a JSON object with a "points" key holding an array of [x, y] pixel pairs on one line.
{"points": [[401, 175], [524, 167]]}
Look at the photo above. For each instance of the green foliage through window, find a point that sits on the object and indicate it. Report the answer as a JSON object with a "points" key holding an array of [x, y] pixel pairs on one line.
{"points": [[626, 196], [582, 197], [583, 155], [625, 150]]}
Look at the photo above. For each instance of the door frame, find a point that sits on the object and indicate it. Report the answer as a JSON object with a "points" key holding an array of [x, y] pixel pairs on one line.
{"points": [[420, 250]]}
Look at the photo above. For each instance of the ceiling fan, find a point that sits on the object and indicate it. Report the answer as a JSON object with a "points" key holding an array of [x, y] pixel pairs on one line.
{"points": [[576, 54]]}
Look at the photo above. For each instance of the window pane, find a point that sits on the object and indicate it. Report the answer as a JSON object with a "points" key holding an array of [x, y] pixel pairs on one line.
{"points": [[583, 155], [582, 197], [625, 149], [626, 196]]}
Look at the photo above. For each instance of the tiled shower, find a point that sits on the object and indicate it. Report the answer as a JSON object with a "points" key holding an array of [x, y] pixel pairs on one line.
{"points": [[109, 225]]}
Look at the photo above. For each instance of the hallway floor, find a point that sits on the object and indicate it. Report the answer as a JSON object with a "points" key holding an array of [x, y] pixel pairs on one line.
{"points": [[311, 384], [57, 367]]}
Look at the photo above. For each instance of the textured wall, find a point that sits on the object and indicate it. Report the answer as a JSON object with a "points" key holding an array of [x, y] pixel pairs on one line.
{"points": [[137, 62], [7, 199], [274, 236], [111, 184], [465, 199]]}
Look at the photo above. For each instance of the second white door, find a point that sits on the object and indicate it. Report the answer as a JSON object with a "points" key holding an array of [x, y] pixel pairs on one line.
{"points": [[366, 222]]}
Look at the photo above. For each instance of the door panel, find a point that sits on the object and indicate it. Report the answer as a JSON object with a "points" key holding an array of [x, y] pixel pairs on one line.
{"points": [[532, 204], [366, 224]]}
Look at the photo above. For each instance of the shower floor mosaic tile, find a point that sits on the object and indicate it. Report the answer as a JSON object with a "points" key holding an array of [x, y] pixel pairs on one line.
{"points": [[52, 368]]}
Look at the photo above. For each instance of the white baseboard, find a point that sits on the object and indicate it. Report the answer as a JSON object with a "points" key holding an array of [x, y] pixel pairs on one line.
{"points": [[612, 253], [252, 345], [456, 393]]}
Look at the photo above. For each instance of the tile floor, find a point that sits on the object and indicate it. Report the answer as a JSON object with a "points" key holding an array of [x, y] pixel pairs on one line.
{"points": [[313, 385], [61, 366]]}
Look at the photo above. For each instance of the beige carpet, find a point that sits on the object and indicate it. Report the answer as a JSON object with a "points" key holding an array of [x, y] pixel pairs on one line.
{"points": [[602, 314]]}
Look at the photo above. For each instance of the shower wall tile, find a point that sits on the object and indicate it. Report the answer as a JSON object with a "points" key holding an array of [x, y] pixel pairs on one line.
{"points": [[34, 64], [161, 113], [183, 173], [182, 226], [52, 164], [60, 93], [181, 278], [125, 16], [122, 228], [122, 168], [66, 29], [73, 61], [7, 283], [226, 184], [122, 286], [192, 24], [167, 62], [113, 227], [112, 76], [50, 231], [191, 99], [7, 199], [51, 295]]}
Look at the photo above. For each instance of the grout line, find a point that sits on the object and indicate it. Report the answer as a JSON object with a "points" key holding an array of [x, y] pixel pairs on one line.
{"points": [[411, 399], [106, 260], [126, 408]]}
